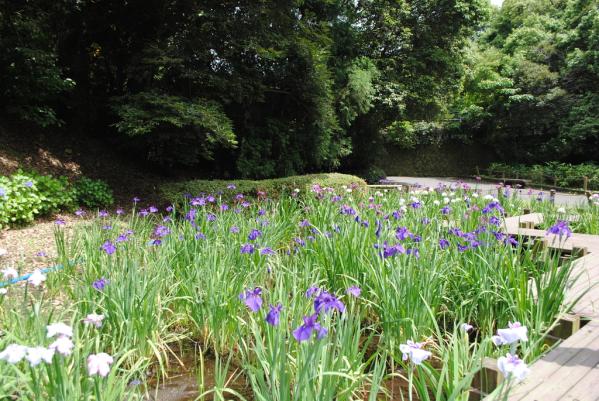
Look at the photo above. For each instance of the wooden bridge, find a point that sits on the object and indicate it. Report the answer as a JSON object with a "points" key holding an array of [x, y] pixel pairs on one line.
{"points": [[571, 370]]}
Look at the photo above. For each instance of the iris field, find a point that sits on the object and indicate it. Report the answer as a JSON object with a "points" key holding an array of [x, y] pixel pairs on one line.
{"points": [[334, 294]]}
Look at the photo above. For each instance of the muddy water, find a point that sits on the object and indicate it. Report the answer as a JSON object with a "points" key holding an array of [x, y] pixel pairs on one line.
{"points": [[182, 382]]}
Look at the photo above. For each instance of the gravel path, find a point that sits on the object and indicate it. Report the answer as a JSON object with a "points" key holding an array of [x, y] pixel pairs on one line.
{"points": [[561, 198]]}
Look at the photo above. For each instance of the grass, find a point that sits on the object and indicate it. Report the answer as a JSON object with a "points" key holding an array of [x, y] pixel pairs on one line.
{"points": [[177, 276]]}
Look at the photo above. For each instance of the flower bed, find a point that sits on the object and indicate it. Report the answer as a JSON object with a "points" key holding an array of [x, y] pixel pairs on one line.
{"points": [[325, 295]]}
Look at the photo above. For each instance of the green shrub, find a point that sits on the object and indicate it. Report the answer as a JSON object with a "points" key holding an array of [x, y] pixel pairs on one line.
{"points": [[55, 193], [374, 175], [23, 196], [273, 187], [93, 193], [552, 173]]}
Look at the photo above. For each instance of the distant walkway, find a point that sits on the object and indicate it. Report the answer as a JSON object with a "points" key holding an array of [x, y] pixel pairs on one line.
{"points": [[561, 198]]}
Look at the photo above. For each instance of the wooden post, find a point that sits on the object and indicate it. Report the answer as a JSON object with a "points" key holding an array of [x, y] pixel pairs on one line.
{"points": [[585, 183], [578, 252], [526, 210], [566, 326], [552, 196], [588, 195], [526, 224]]}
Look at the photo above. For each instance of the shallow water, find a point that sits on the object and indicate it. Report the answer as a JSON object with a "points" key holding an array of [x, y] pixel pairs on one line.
{"points": [[182, 382]]}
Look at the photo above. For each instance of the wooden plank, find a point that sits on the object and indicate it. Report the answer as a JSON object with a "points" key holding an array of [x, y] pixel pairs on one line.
{"points": [[586, 388], [571, 370], [544, 369], [568, 375]]}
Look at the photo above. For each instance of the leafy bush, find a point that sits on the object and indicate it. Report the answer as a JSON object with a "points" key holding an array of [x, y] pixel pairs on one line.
{"points": [[273, 187], [23, 196], [552, 173], [374, 175], [93, 193]]}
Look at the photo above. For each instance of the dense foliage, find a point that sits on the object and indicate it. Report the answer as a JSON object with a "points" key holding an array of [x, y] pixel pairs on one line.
{"points": [[27, 195], [252, 88], [334, 295], [553, 173], [531, 88]]}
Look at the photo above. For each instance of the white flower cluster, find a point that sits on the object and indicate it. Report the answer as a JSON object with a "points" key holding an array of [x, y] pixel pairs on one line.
{"points": [[97, 364]]}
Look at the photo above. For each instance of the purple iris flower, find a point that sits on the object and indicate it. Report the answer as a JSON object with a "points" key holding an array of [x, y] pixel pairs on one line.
{"points": [[102, 213], [300, 241], [304, 223], [61, 222], [122, 238], [199, 201], [231, 186], [247, 248], [498, 236], [443, 243], [191, 215], [100, 284], [425, 221], [143, 212], [136, 199], [199, 236], [211, 199], [245, 204], [120, 212], [446, 210], [462, 248], [414, 252], [402, 233], [153, 209], [494, 220], [80, 213], [252, 299], [210, 217], [346, 209], [261, 212], [234, 230], [108, 247], [273, 315], [170, 208], [327, 302], [510, 240], [2, 192], [224, 207], [311, 291], [335, 198], [29, 184], [254, 234], [416, 205], [239, 196], [304, 332], [560, 228], [162, 231], [354, 291], [267, 251], [389, 251]]}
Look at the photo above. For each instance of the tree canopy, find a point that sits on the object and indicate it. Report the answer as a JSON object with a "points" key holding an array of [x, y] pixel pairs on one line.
{"points": [[261, 88]]}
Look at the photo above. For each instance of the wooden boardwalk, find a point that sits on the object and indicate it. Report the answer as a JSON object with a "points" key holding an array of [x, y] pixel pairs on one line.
{"points": [[571, 370]]}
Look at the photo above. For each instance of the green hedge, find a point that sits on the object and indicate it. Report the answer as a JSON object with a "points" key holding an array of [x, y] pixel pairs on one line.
{"points": [[564, 175], [273, 187]]}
